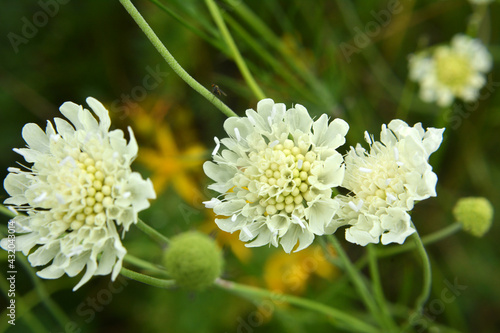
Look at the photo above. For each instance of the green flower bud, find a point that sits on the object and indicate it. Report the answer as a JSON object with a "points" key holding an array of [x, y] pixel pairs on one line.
{"points": [[193, 260], [475, 214]]}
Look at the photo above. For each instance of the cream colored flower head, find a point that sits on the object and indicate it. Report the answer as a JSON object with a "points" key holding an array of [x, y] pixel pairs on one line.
{"points": [[78, 192], [276, 175], [448, 72], [386, 181]]}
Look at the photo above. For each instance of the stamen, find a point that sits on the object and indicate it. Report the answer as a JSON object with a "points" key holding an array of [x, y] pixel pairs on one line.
{"points": [[353, 206], [40, 197], [237, 133], [299, 221], [274, 143], [55, 137], [367, 138], [391, 197], [66, 160], [396, 154], [13, 170], [234, 217], [388, 181], [75, 251], [212, 203], [250, 118], [299, 164], [217, 145], [365, 170], [400, 163], [60, 198], [247, 232], [270, 121], [127, 195]]}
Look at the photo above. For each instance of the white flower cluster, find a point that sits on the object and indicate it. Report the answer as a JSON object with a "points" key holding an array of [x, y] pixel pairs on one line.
{"points": [[277, 174], [277, 178], [386, 181], [79, 189], [446, 72]]}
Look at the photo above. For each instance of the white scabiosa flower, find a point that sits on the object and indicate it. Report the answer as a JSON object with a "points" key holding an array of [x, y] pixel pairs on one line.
{"points": [[78, 191], [385, 182], [276, 175], [446, 72]]}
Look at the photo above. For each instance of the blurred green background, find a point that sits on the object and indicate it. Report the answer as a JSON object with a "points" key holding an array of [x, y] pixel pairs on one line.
{"points": [[293, 48]]}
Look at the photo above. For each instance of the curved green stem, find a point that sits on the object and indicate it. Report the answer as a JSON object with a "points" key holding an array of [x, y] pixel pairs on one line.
{"points": [[357, 280], [427, 275], [216, 15], [377, 288], [355, 324], [146, 279], [426, 240], [148, 230], [176, 67]]}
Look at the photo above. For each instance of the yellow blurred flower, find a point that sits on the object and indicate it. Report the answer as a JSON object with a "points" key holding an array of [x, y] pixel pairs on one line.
{"points": [[290, 273], [168, 163]]}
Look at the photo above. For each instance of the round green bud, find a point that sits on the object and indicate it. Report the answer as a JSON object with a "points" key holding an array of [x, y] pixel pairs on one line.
{"points": [[193, 260], [475, 215]]}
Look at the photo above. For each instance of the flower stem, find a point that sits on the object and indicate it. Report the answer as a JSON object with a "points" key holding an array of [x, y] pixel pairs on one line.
{"points": [[146, 279], [240, 62], [377, 287], [148, 230], [428, 239], [427, 275], [357, 280], [354, 323], [44, 296], [138, 262], [176, 67]]}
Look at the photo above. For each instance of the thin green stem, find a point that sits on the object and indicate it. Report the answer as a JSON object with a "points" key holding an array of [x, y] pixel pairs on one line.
{"points": [[240, 62], [214, 42], [324, 95], [426, 240], [146, 265], [176, 67], [357, 280], [427, 274], [377, 287], [52, 306], [146, 279], [380, 68], [152, 233], [355, 324]]}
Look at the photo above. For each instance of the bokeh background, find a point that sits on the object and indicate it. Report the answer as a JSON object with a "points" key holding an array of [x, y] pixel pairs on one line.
{"points": [[296, 50]]}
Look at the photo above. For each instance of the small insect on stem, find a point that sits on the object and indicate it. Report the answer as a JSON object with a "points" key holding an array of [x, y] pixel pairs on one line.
{"points": [[217, 91]]}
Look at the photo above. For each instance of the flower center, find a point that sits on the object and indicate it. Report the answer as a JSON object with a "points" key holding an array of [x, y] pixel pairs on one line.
{"points": [[279, 180], [83, 191], [452, 70], [375, 178]]}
